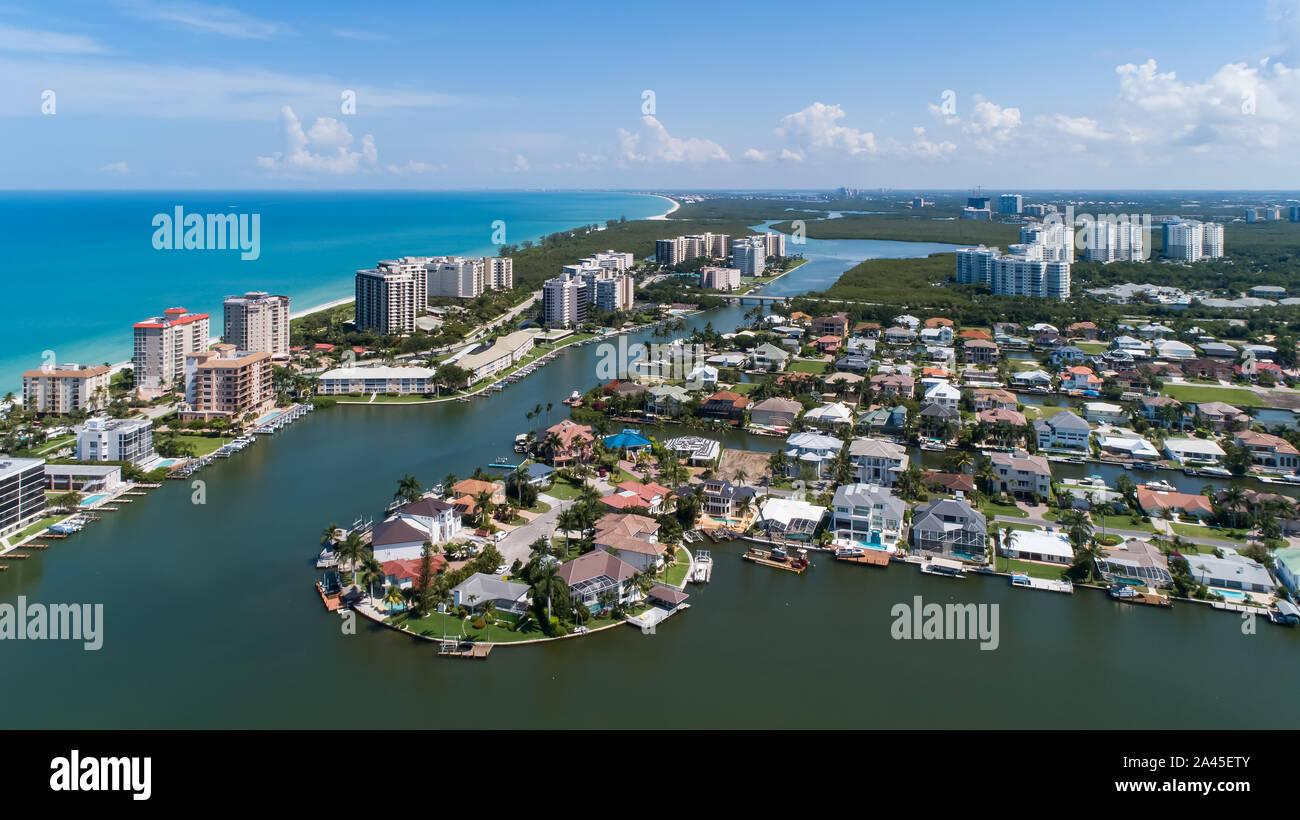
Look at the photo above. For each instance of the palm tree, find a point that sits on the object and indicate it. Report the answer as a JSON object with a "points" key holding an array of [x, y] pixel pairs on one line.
{"points": [[567, 521], [408, 489], [329, 534], [372, 572], [483, 505], [548, 582], [1077, 526], [393, 595], [1234, 498], [351, 551]]}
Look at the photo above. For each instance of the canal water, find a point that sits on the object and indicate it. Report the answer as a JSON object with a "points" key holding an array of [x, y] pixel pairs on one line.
{"points": [[211, 619]]}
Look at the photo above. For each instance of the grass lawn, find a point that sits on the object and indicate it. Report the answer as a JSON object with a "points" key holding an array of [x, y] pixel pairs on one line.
{"points": [[416, 397], [1091, 348], [499, 632], [38, 526], [744, 388], [1120, 522], [564, 490], [675, 574], [1015, 526], [540, 507], [203, 444], [1232, 395], [1197, 531], [992, 509], [1034, 411], [1031, 568], [802, 366]]}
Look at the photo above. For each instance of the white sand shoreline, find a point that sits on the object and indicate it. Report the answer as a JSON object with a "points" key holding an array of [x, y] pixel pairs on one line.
{"points": [[665, 214], [347, 300]]}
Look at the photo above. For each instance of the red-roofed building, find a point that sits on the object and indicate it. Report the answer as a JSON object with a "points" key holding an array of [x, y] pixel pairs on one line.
{"points": [[404, 572], [1182, 503], [632, 494], [161, 344], [1080, 378]]}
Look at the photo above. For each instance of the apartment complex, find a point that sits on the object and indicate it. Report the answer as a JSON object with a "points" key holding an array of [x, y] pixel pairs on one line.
{"points": [[1023, 271], [720, 278], [749, 255], [66, 387], [468, 277], [504, 353], [1119, 240], [257, 321], [1191, 241], [1010, 204], [161, 344], [229, 383], [391, 296], [101, 439], [22, 493], [686, 248], [564, 301]]}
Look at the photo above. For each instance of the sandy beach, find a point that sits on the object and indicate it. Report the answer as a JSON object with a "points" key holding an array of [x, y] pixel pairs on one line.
{"points": [[347, 300], [665, 214]]}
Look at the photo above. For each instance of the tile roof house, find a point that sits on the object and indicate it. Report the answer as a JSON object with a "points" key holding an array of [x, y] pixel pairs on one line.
{"points": [[573, 442], [948, 482], [1001, 416], [1269, 451], [1080, 378], [981, 351], [633, 538], [994, 399], [403, 573], [596, 573], [632, 494], [725, 405], [893, 384], [1220, 415], [1182, 503], [775, 412]]}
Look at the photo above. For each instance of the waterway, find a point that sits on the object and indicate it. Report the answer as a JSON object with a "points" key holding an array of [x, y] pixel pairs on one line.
{"points": [[211, 620]]}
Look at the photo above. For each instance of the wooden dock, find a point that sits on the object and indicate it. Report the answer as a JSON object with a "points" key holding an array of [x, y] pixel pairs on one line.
{"points": [[331, 602], [18, 556], [872, 558], [464, 649], [765, 559]]}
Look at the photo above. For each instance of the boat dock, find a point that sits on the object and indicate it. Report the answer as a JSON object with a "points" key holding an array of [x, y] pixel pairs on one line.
{"points": [[776, 561], [464, 649], [871, 558], [1021, 579]]}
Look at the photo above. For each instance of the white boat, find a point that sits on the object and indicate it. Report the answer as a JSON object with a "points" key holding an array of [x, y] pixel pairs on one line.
{"points": [[1161, 486], [1216, 471], [944, 566]]}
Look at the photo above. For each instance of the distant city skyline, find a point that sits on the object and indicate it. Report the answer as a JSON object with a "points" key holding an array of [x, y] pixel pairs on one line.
{"points": [[154, 94]]}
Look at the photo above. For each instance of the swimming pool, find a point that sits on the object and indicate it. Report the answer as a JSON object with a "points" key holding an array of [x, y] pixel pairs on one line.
{"points": [[1230, 595], [92, 499], [166, 462]]}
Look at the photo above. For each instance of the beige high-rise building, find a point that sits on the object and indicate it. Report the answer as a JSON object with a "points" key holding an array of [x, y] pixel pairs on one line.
{"points": [[388, 299], [257, 321], [457, 277], [161, 344], [230, 384], [65, 387], [499, 272]]}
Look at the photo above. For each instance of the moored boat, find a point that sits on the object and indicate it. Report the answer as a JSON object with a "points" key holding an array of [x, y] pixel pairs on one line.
{"points": [[1137, 595], [945, 567]]}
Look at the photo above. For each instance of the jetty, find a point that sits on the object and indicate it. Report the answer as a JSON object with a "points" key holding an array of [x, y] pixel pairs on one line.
{"points": [[869, 557], [463, 649], [778, 559], [1023, 579]]}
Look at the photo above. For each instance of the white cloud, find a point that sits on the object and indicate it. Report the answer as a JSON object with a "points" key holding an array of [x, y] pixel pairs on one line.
{"points": [[412, 168], [206, 18], [755, 155], [817, 129], [521, 163], [653, 143], [298, 155], [116, 169], [37, 41]]}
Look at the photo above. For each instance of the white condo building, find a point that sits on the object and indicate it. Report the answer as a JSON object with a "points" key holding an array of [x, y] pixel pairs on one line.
{"points": [[161, 344], [749, 255], [720, 278], [1023, 271], [1107, 240], [468, 277], [1191, 241], [257, 321], [102, 439], [564, 301]]}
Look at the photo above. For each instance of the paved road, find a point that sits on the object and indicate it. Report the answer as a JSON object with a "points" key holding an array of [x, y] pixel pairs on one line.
{"points": [[516, 544]]}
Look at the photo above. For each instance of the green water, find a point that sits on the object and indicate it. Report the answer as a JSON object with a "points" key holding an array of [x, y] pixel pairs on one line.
{"points": [[211, 619]]}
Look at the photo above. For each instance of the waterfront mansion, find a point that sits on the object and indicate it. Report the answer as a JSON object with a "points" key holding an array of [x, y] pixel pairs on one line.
{"points": [[402, 535]]}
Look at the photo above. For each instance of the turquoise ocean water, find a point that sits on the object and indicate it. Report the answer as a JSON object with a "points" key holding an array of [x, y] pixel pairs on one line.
{"points": [[80, 268]]}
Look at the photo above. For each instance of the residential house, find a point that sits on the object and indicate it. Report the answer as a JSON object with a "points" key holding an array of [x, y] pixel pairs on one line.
{"points": [[899, 336], [702, 377], [1001, 417], [1173, 350], [829, 344], [1128, 445], [809, 455], [480, 588], [790, 519], [1100, 412], [1022, 475], [1207, 368], [1152, 409], [768, 356], [633, 494], [867, 514], [1232, 571], [884, 420], [995, 399], [836, 325], [567, 442], [1068, 355], [877, 461], [1286, 563], [944, 395], [633, 538], [934, 415], [941, 335], [719, 498], [1269, 451], [1086, 330], [869, 330], [1080, 378], [726, 406], [775, 412], [1039, 380], [1193, 451], [979, 351], [893, 384], [1135, 561], [1038, 545], [853, 362], [1186, 504], [403, 573], [666, 399], [596, 574], [949, 528], [948, 482], [1219, 415], [1062, 431], [829, 416]]}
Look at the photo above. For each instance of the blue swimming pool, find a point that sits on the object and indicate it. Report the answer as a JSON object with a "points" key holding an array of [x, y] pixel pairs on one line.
{"points": [[92, 499], [1230, 595]]}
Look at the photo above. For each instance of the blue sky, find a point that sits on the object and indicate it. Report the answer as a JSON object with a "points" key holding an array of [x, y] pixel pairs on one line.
{"points": [[160, 94]]}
